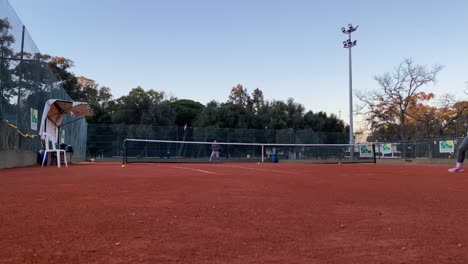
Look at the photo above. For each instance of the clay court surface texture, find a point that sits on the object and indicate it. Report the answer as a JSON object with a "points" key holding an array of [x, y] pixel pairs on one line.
{"points": [[233, 213]]}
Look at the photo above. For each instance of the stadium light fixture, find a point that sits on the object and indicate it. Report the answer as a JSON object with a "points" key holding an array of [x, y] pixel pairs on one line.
{"points": [[348, 44]]}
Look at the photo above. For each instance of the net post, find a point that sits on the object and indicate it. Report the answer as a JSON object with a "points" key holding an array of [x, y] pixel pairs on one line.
{"points": [[374, 154], [263, 157], [124, 154]]}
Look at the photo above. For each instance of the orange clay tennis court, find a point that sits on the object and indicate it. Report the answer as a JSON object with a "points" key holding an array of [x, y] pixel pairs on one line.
{"points": [[234, 213]]}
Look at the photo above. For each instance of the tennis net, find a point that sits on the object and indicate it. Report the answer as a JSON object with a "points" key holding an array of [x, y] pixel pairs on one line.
{"points": [[146, 150]]}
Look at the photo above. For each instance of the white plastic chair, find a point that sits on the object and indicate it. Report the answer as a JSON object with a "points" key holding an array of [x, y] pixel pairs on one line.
{"points": [[49, 139]]}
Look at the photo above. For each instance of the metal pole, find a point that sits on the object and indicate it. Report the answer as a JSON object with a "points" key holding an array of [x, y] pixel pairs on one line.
{"points": [[349, 44], [373, 153], [263, 157], [20, 76], [124, 156], [351, 137]]}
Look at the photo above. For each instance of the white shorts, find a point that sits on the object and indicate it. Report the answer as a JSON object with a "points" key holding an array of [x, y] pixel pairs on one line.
{"points": [[214, 154]]}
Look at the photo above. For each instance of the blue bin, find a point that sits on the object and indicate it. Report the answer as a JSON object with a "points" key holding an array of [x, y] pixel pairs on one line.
{"points": [[40, 156], [274, 158]]}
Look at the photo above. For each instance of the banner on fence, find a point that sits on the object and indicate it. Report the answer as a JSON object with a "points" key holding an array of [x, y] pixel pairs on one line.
{"points": [[386, 148], [365, 151], [446, 146], [34, 118]]}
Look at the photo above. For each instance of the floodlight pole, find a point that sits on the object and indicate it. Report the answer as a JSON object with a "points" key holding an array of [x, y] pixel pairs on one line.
{"points": [[349, 44]]}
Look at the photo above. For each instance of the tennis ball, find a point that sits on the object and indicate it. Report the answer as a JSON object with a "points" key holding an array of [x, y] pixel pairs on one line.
{"points": [[258, 162], [123, 166]]}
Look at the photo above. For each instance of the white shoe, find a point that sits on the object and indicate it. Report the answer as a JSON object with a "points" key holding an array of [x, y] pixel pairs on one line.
{"points": [[456, 169]]}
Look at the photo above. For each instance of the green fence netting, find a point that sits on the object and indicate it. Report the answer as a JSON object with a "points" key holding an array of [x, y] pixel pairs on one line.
{"points": [[26, 83]]}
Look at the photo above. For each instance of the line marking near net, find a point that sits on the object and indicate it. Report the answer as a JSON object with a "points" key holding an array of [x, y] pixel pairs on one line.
{"points": [[192, 169], [248, 168]]}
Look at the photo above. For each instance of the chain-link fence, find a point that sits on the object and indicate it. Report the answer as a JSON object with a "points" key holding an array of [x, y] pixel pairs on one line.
{"points": [[106, 140], [435, 148], [26, 83]]}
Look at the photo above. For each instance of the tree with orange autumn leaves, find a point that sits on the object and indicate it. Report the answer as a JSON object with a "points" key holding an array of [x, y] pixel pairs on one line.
{"points": [[400, 110]]}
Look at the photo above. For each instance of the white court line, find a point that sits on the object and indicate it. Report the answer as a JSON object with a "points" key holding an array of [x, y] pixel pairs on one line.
{"points": [[248, 168], [192, 169]]}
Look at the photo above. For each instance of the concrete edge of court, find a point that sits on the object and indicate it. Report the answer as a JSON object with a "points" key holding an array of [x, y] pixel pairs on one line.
{"points": [[14, 159]]}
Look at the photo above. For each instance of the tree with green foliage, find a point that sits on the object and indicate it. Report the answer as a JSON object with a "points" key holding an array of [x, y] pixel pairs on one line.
{"points": [[61, 67], [258, 101], [208, 117], [277, 115], [295, 113], [287, 116], [231, 114], [234, 115], [335, 130], [143, 107], [240, 96], [186, 111], [7, 83]]}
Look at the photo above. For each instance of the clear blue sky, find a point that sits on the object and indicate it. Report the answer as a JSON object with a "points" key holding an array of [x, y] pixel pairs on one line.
{"points": [[200, 49]]}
